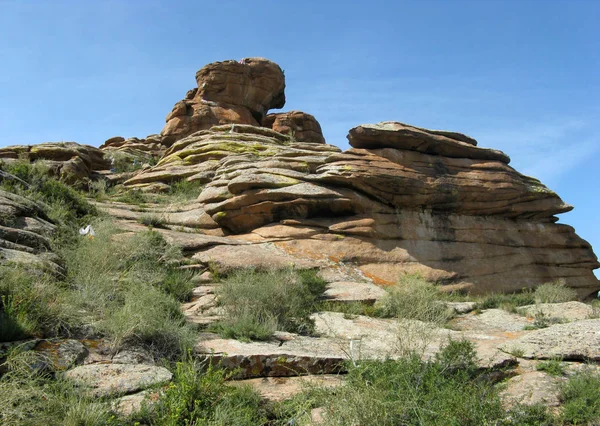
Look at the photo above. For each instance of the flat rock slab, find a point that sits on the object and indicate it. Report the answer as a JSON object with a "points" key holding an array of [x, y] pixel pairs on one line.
{"points": [[530, 388], [118, 379], [132, 404], [344, 291], [491, 321], [574, 341], [282, 388], [568, 311], [341, 339], [260, 256]]}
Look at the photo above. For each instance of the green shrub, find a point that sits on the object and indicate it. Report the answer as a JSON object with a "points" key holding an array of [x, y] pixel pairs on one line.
{"points": [[150, 317], [457, 355], [555, 292], [258, 303], [580, 396], [554, 367], [152, 220], [184, 190], [410, 391], [179, 284], [530, 415], [124, 287], [201, 396], [416, 299], [508, 302]]}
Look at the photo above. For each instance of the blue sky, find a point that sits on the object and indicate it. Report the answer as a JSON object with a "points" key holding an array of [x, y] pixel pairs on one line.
{"points": [[520, 76]]}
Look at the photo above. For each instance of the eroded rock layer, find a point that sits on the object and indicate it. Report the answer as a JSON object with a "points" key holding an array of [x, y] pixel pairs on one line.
{"points": [[407, 199], [70, 161], [25, 233]]}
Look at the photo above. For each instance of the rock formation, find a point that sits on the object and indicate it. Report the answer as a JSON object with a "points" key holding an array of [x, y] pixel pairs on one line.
{"points": [[404, 199], [302, 127], [69, 161], [25, 233], [233, 92], [149, 148]]}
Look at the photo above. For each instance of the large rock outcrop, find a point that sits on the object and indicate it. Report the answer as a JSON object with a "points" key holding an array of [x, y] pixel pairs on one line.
{"points": [[407, 199]]}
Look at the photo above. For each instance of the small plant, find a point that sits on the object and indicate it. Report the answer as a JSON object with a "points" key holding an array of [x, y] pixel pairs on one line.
{"points": [[555, 292], [516, 352], [184, 190], [542, 320], [457, 355], [152, 220], [414, 298], [179, 284], [553, 366], [508, 302], [199, 395]]}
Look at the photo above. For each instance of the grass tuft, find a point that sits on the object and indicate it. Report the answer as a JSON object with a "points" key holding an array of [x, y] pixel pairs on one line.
{"points": [[259, 303], [414, 298], [555, 292]]}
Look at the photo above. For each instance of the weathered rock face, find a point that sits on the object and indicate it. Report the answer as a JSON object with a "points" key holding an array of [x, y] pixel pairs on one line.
{"points": [[150, 147], [409, 200], [70, 161], [25, 233], [227, 92], [301, 126]]}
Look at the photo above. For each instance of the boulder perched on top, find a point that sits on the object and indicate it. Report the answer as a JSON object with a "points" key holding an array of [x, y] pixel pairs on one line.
{"points": [[227, 92], [301, 126]]}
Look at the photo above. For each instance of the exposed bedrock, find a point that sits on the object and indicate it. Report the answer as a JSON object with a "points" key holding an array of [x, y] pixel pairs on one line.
{"points": [[430, 202], [70, 161], [25, 233]]}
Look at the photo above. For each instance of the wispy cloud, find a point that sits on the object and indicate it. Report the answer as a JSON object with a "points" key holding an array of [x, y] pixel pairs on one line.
{"points": [[546, 150]]}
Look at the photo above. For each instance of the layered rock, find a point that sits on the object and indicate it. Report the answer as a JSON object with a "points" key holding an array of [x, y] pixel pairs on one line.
{"points": [[227, 92], [149, 148], [70, 161], [25, 233], [407, 200], [302, 127]]}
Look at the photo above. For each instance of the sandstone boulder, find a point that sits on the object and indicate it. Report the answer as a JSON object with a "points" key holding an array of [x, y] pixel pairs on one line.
{"points": [[301, 126], [227, 92]]}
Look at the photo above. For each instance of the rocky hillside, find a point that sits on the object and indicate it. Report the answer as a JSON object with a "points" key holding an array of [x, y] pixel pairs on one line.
{"points": [[339, 253]]}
